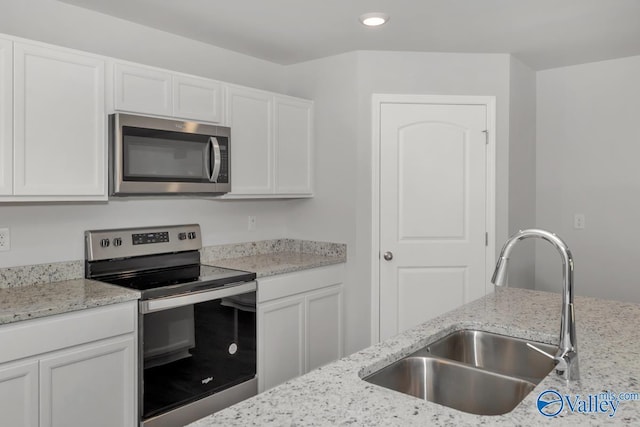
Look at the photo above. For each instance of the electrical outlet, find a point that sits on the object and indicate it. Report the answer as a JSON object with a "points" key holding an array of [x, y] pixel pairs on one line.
{"points": [[578, 221], [252, 222], [5, 239]]}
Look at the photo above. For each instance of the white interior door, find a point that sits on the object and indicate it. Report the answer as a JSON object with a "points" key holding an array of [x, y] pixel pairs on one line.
{"points": [[433, 192]]}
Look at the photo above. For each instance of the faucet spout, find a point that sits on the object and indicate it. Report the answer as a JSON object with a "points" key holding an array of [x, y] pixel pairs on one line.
{"points": [[567, 356]]}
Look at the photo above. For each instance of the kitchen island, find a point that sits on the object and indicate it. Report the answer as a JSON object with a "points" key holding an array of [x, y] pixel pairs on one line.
{"points": [[608, 348]]}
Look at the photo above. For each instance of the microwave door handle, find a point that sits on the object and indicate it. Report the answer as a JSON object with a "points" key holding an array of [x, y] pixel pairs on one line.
{"points": [[207, 159], [217, 160]]}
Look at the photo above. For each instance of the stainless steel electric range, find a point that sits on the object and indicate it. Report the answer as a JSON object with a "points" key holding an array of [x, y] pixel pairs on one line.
{"points": [[197, 323]]}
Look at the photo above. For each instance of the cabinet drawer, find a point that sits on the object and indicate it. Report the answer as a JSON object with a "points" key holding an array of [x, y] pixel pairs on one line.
{"points": [[284, 285], [34, 337]]}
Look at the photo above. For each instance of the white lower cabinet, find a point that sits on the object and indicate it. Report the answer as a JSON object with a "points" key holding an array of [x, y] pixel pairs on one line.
{"points": [[19, 394], [324, 326], [54, 375], [90, 384], [282, 347], [299, 323]]}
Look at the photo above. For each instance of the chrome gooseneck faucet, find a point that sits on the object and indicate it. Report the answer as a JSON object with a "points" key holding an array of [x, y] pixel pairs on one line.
{"points": [[567, 356]]}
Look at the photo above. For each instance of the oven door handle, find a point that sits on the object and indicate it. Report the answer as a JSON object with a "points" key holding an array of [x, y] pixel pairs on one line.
{"points": [[149, 306]]}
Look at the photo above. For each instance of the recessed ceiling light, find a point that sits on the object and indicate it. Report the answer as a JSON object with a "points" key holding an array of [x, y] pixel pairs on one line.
{"points": [[374, 19]]}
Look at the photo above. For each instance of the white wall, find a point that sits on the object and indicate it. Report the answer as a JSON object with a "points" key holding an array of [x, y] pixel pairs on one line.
{"points": [[342, 87], [331, 214], [43, 233], [62, 24], [588, 146], [522, 171], [54, 232]]}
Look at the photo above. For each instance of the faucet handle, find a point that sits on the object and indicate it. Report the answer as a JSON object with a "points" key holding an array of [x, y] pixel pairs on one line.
{"points": [[561, 363], [541, 351]]}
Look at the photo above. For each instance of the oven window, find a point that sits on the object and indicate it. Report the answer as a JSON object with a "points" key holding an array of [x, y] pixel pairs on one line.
{"points": [[193, 351], [163, 156]]}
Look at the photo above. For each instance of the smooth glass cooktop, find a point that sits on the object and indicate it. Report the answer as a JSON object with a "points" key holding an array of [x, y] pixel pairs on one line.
{"points": [[162, 282]]}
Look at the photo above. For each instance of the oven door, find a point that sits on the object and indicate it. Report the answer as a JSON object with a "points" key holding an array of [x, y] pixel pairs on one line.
{"points": [[156, 156], [197, 353]]}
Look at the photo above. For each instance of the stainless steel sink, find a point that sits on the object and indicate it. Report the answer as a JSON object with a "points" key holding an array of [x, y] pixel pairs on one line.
{"points": [[494, 352], [473, 371], [454, 385]]}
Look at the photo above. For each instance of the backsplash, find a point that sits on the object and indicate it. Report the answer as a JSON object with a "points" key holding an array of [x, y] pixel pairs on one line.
{"points": [[238, 250], [12, 277]]}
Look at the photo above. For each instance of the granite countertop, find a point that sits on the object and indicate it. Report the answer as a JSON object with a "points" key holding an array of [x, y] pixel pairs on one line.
{"points": [[31, 291], [279, 256], [277, 263], [33, 301], [609, 354]]}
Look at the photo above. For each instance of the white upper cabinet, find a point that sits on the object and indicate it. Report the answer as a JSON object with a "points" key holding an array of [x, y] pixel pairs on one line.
{"points": [[142, 90], [293, 136], [271, 144], [250, 116], [59, 123], [6, 117], [147, 90], [54, 104], [197, 99]]}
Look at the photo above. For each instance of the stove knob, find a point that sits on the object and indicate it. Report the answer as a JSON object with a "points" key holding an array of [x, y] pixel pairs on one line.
{"points": [[192, 235], [104, 243], [182, 236], [117, 241]]}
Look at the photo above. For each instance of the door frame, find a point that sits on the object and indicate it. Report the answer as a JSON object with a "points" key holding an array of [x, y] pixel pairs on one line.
{"points": [[376, 103]]}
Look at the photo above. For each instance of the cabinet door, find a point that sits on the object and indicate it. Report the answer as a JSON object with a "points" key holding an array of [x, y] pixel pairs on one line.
{"points": [[250, 117], [197, 99], [93, 385], [6, 118], [280, 341], [19, 394], [324, 326], [59, 134], [142, 90], [294, 149]]}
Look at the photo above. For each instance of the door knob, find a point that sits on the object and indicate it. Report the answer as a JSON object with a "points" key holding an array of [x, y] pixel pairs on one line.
{"points": [[388, 256]]}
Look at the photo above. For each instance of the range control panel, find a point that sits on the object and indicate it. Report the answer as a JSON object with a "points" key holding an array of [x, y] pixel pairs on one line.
{"points": [[128, 242], [146, 238]]}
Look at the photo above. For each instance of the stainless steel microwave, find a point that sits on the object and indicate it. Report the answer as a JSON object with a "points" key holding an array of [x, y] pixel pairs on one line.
{"points": [[152, 156]]}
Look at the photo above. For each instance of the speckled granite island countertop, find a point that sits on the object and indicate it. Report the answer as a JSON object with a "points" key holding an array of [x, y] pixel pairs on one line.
{"points": [[608, 347], [33, 301]]}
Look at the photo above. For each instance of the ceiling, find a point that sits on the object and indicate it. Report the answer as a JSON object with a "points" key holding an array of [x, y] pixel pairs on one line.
{"points": [[542, 33]]}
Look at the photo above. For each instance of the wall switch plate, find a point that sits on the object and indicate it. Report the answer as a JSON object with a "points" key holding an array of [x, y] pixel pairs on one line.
{"points": [[5, 239], [578, 221], [252, 222]]}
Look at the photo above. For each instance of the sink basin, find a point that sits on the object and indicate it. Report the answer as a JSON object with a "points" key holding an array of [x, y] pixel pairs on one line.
{"points": [[473, 371], [454, 385], [497, 353]]}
